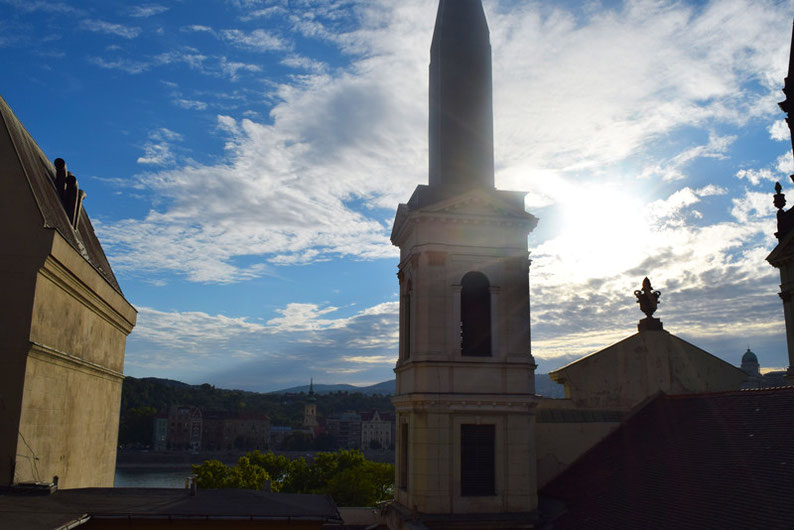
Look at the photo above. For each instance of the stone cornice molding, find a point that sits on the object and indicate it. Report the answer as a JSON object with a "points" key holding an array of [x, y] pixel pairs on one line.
{"points": [[60, 276], [459, 361], [468, 403], [405, 222], [54, 356]]}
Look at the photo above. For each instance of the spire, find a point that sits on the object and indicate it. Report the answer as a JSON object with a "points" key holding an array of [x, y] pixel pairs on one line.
{"points": [[461, 101], [311, 386]]}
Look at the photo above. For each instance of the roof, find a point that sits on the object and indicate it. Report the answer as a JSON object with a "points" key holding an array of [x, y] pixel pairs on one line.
{"points": [[722, 460], [66, 506], [40, 174], [749, 357]]}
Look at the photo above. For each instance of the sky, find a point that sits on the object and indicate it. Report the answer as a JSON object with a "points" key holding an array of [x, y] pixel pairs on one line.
{"points": [[243, 161]]}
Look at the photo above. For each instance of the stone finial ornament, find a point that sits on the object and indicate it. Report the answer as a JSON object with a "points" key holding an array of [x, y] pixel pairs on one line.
{"points": [[785, 219], [649, 301], [780, 198]]}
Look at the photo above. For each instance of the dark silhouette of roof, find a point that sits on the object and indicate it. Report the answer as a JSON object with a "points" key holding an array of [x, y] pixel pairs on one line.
{"points": [[722, 460], [157, 504], [40, 174]]}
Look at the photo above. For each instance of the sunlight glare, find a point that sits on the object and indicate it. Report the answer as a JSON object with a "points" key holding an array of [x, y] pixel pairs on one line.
{"points": [[605, 232]]}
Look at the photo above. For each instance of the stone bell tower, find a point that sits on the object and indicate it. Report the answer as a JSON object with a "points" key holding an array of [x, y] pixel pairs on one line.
{"points": [[465, 392]]}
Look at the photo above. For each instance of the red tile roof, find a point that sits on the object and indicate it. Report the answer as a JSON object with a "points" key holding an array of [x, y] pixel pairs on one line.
{"points": [[723, 460]]}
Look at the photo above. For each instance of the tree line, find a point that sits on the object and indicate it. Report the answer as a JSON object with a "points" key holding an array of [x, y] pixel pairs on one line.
{"points": [[348, 477]]}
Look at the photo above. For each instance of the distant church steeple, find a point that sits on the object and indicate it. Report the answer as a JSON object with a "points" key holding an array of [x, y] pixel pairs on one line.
{"points": [[461, 101], [310, 408]]}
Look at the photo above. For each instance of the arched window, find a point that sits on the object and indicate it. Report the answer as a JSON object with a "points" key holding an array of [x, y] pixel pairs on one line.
{"points": [[475, 315]]}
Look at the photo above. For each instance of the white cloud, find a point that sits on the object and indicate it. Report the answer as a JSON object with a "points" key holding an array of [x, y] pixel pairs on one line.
{"points": [[231, 68], [597, 90], [147, 10], [199, 29], [190, 103], [266, 12], [198, 346], [672, 169], [785, 164], [158, 150], [109, 28], [258, 39], [779, 131], [32, 6], [304, 63], [125, 65]]}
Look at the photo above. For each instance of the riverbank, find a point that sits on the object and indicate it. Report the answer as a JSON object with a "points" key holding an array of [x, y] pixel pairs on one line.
{"points": [[143, 459]]}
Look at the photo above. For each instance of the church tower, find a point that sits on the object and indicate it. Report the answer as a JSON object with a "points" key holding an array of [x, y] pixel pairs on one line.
{"points": [[465, 393], [310, 408]]}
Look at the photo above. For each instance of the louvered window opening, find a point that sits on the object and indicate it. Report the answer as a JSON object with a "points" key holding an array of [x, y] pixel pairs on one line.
{"points": [[407, 330], [404, 456], [475, 315], [477, 460]]}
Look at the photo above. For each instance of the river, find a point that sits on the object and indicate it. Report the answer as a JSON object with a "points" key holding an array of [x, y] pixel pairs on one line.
{"points": [[148, 477]]}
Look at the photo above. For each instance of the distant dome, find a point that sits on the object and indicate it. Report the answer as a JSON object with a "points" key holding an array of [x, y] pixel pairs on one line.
{"points": [[749, 357]]}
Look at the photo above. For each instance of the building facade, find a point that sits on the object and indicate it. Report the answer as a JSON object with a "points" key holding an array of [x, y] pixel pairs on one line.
{"points": [[64, 322], [345, 428], [377, 427], [465, 376]]}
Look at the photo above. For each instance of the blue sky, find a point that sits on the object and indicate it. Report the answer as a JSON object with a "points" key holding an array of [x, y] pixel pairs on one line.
{"points": [[243, 160]]}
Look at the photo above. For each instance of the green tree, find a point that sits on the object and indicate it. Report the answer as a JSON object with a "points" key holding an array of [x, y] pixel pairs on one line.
{"points": [[213, 474], [347, 476]]}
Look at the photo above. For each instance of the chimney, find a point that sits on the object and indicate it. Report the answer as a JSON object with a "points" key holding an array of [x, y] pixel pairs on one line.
{"points": [[60, 177], [69, 193]]}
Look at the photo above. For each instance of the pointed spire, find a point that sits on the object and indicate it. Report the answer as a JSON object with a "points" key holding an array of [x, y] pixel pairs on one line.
{"points": [[311, 386], [461, 99]]}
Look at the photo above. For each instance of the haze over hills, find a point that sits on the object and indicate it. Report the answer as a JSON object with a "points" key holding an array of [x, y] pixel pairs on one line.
{"points": [[544, 386], [385, 388]]}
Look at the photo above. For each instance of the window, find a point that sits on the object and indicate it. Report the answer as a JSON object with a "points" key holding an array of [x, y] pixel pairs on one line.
{"points": [[475, 315], [407, 325], [477, 459], [404, 456]]}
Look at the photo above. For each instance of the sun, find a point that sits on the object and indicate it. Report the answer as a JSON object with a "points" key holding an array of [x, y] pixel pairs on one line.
{"points": [[605, 231]]}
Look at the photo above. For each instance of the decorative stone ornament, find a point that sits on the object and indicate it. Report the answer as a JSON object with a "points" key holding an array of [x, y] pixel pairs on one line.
{"points": [[649, 301]]}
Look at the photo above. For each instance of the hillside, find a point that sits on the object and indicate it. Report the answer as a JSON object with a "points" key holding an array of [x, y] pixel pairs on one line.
{"points": [[385, 388], [544, 386], [142, 399]]}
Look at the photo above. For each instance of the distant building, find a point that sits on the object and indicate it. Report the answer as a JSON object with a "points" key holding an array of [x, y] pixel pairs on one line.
{"points": [[224, 431], [160, 432], [377, 426], [750, 364], [345, 428], [64, 322], [185, 427], [755, 379], [278, 433], [310, 409], [189, 428]]}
